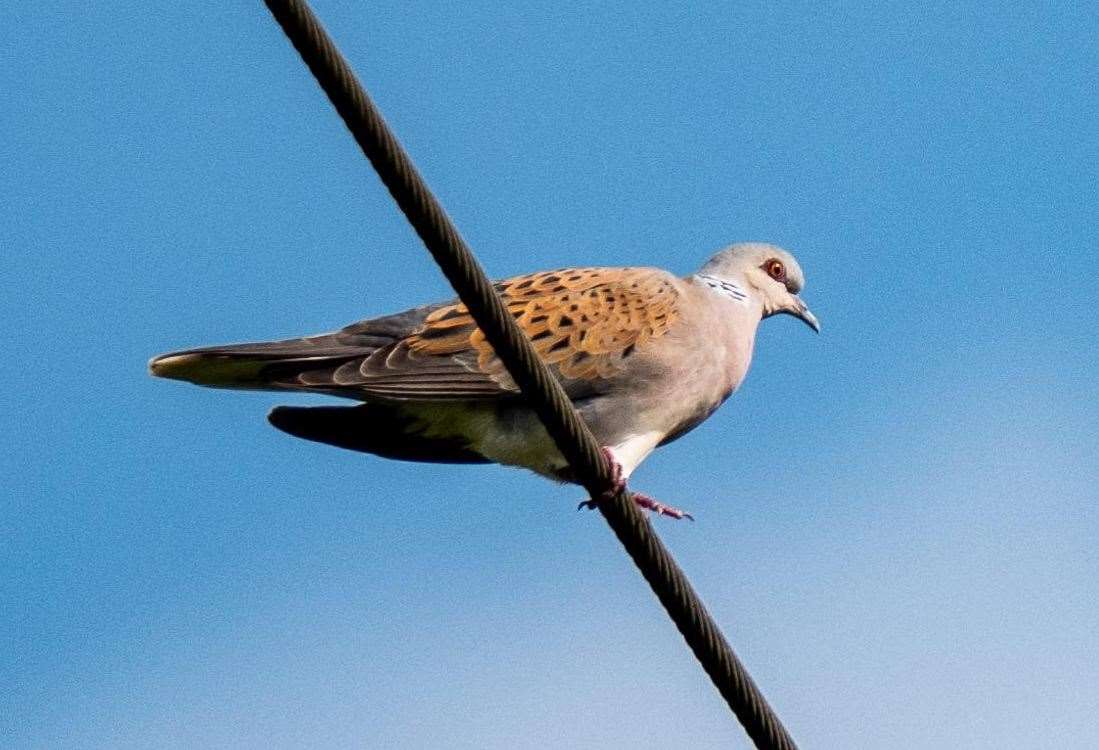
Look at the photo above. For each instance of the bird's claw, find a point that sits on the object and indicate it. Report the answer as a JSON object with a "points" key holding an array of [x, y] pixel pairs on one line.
{"points": [[618, 483], [648, 503]]}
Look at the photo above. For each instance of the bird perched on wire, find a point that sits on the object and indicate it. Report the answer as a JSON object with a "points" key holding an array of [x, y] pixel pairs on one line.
{"points": [[644, 356]]}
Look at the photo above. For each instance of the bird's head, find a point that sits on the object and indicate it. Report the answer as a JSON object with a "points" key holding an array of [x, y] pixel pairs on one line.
{"points": [[769, 273]]}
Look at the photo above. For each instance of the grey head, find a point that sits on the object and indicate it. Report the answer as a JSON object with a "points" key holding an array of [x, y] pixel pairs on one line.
{"points": [[769, 273]]}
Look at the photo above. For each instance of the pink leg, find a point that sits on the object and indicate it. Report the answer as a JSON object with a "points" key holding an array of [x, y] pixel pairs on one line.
{"points": [[643, 501], [648, 503], [617, 480]]}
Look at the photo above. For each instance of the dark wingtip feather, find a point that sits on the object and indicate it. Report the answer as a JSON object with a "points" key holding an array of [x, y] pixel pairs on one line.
{"points": [[283, 417], [370, 428]]}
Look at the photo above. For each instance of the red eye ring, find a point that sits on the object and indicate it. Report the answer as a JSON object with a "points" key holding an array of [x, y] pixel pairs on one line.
{"points": [[776, 270]]}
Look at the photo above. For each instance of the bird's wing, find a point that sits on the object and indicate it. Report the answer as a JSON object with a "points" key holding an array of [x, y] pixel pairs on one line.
{"points": [[584, 322]]}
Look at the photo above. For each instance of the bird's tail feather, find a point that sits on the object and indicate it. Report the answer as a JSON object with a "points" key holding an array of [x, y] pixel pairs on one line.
{"points": [[266, 366]]}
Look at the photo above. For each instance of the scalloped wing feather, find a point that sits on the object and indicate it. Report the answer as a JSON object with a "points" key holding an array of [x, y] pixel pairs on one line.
{"points": [[584, 322]]}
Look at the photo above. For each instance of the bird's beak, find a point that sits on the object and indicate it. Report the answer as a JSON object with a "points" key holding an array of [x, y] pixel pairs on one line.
{"points": [[801, 311]]}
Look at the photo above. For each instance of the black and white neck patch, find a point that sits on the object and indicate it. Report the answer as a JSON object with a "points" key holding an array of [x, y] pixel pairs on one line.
{"points": [[724, 287]]}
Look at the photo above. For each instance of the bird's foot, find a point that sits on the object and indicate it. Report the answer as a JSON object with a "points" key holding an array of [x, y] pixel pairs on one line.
{"points": [[640, 499], [618, 482], [649, 503]]}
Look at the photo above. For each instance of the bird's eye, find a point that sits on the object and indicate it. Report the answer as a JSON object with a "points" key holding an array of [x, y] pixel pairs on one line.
{"points": [[776, 270]]}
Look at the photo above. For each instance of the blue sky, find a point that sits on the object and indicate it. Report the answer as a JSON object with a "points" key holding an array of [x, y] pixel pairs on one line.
{"points": [[897, 520]]}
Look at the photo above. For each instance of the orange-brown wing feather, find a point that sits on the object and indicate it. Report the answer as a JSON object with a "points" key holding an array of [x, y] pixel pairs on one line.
{"points": [[584, 322]]}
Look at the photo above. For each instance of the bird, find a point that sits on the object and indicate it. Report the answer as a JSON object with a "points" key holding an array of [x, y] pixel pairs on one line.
{"points": [[644, 355]]}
